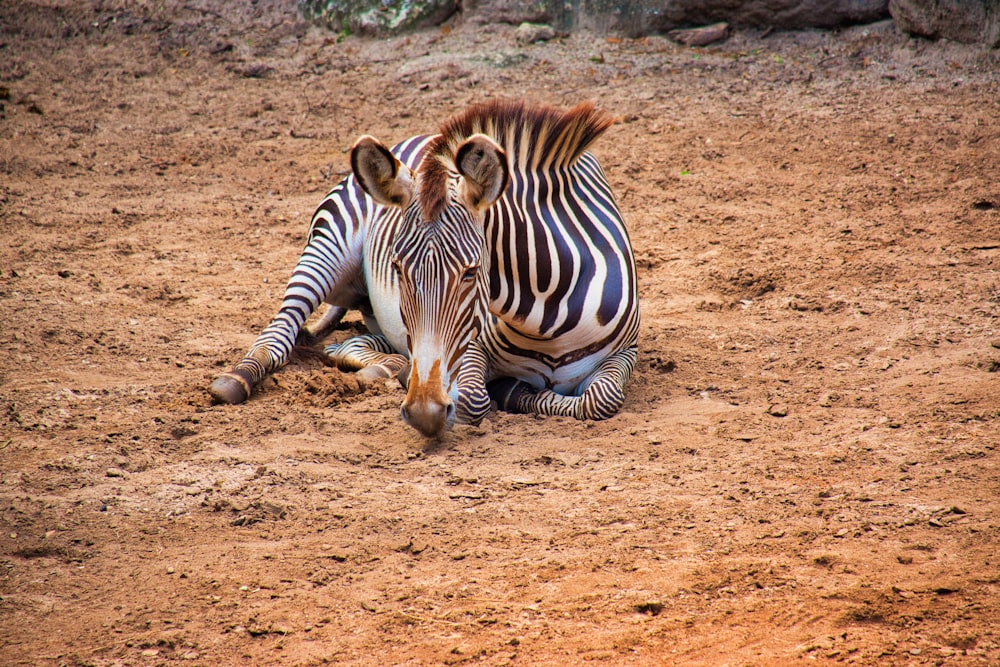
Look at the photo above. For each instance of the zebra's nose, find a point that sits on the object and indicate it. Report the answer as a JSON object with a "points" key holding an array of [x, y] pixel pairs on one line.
{"points": [[430, 418]]}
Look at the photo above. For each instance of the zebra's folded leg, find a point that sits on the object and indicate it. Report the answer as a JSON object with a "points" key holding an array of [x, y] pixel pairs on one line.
{"points": [[370, 355], [317, 331], [510, 393], [473, 402], [601, 398]]}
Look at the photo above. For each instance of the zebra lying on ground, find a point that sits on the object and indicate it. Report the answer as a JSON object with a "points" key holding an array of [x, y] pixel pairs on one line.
{"points": [[489, 262]]}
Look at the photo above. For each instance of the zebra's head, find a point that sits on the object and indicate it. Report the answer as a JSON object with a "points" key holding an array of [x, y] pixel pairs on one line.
{"points": [[439, 260]]}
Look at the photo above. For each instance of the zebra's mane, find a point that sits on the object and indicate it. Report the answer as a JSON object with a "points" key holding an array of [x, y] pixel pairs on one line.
{"points": [[535, 138]]}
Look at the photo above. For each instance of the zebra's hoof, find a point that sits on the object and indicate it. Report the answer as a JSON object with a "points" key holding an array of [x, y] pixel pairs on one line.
{"points": [[404, 376], [508, 392], [229, 388]]}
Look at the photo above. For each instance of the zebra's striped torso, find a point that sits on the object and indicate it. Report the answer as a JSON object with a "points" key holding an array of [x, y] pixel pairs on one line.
{"points": [[562, 278]]}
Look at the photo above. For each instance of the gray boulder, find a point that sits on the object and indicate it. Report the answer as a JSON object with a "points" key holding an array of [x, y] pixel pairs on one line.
{"points": [[625, 17], [378, 17], [552, 12], [966, 21], [642, 17]]}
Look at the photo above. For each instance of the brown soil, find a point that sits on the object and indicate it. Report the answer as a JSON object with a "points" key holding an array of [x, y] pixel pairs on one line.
{"points": [[806, 466]]}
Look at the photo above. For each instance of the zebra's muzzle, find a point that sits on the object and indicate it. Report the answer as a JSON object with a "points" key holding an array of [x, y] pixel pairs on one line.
{"points": [[427, 407], [430, 419]]}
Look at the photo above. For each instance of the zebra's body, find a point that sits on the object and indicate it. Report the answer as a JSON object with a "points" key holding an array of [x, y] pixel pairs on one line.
{"points": [[495, 255]]}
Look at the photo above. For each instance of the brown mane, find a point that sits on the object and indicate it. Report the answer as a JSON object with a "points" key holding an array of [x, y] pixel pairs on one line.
{"points": [[535, 138]]}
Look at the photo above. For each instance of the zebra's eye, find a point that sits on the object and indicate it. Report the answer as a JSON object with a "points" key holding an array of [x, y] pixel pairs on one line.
{"points": [[470, 274]]}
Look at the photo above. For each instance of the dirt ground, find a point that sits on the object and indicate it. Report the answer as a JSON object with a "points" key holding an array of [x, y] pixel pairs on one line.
{"points": [[806, 466]]}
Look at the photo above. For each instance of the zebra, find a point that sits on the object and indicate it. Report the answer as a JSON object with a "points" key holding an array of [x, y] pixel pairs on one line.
{"points": [[489, 261]]}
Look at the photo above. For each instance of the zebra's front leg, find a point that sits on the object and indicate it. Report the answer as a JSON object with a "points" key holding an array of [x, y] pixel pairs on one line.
{"points": [[328, 270], [370, 355], [271, 350], [601, 398], [236, 385]]}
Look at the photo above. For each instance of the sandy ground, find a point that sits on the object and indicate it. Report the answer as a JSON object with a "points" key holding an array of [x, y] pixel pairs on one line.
{"points": [[806, 466]]}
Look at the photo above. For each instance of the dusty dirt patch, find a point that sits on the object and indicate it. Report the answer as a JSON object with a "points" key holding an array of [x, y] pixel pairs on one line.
{"points": [[805, 468]]}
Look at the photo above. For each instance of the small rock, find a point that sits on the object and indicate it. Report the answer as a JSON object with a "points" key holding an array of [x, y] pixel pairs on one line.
{"points": [[529, 33], [651, 608], [255, 71], [700, 36], [466, 495], [778, 410], [842, 532], [116, 472]]}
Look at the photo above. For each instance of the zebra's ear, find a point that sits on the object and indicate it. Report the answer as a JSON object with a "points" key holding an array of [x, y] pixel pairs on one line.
{"points": [[483, 166], [386, 179]]}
